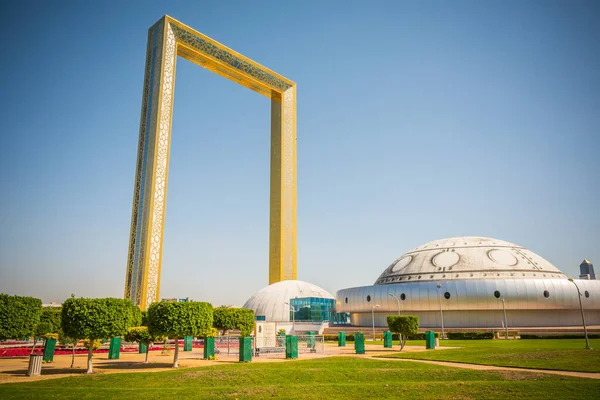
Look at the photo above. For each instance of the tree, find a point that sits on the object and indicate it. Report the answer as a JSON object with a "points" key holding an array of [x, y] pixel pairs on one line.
{"points": [[141, 335], [404, 326], [49, 324], [19, 316], [95, 319], [144, 318], [229, 318], [224, 319], [180, 319], [245, 321], [72, 342], [136, 315]]}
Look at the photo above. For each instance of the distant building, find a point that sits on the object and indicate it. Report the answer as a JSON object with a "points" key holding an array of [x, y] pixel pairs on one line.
{"points": [[468, 282], [586, 270], [176, 300], [52, 304], [296, 306]]}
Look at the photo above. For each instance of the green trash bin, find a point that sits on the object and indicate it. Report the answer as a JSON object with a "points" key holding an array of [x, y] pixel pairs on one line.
{"points": [[291, 347], [142, 349], [430, 340], [310, 340], [245, 349], [387, 340], [49, 347], [281, 340], [114, 349], [209, 347], [341, 339], [187, 343], [359, 343]]}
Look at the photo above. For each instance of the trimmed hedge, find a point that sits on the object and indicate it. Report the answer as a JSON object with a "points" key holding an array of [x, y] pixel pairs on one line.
{"points": [[350, 337], [19, 316], [418, 336], [227, 318], [50, 322], [529, 336], [470, 335], [177, 320]]}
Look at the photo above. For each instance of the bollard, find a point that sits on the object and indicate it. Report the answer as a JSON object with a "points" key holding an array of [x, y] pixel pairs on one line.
{"points": [[281, 340], [245, 349], [49, 347], [310, 341], [114, 349], [291, 347], [359, 343], [430, 340], [387, 340], [187, 343], [209, 348]]}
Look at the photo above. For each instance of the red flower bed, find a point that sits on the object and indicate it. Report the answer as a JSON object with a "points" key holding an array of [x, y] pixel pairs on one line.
{"points": [[25, 351], [18, 352]]}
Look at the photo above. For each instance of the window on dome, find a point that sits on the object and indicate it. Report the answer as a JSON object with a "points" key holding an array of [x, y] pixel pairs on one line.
{"points": [[369, 297], [546, 294]]}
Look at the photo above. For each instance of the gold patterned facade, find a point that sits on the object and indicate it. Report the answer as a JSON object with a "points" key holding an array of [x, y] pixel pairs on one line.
{"points": [[168, 39]]}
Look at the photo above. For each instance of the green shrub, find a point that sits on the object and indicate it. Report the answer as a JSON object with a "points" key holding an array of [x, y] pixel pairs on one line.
{"points": [[96, 344], [141, 335]]}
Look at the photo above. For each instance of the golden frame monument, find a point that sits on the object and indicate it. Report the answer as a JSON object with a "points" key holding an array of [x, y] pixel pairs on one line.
{"points": [[168, 39]]}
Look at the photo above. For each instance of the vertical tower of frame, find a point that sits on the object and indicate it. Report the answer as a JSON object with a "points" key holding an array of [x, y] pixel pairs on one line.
{"points": [[167, 39], [142, 283], [282, 232]]}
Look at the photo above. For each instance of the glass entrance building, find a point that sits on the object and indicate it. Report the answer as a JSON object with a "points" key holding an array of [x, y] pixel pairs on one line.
{"points": [[316, 309]]}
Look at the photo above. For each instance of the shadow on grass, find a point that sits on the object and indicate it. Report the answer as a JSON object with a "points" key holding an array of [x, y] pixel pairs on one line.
{"points": [[46, 371], [130, 365]]}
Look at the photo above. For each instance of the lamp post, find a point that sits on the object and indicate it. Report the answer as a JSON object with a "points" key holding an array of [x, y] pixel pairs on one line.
{"points": [[505, 320], [293, 317], [587, 342], [397, 300], [441, 312], [373, 318]]}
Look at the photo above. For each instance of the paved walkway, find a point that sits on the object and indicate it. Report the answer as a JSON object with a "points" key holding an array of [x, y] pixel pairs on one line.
{"points": [[591, 375]]}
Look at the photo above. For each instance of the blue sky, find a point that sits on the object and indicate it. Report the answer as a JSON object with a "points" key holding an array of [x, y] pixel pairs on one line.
{"points": [[416, 121]]}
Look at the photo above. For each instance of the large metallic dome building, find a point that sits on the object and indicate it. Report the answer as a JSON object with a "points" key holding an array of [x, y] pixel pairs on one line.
{"points": [[469, 278]]}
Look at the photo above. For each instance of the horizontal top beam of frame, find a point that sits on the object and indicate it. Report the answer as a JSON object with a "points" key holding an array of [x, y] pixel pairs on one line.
{"points": [[212, 55]]}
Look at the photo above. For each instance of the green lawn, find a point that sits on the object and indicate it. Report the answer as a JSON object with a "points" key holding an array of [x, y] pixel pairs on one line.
{"points": [[560, 354], [330, 378]]}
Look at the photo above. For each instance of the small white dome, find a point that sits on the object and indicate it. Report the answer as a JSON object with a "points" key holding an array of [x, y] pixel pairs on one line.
{"points": [[270, 301]]}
